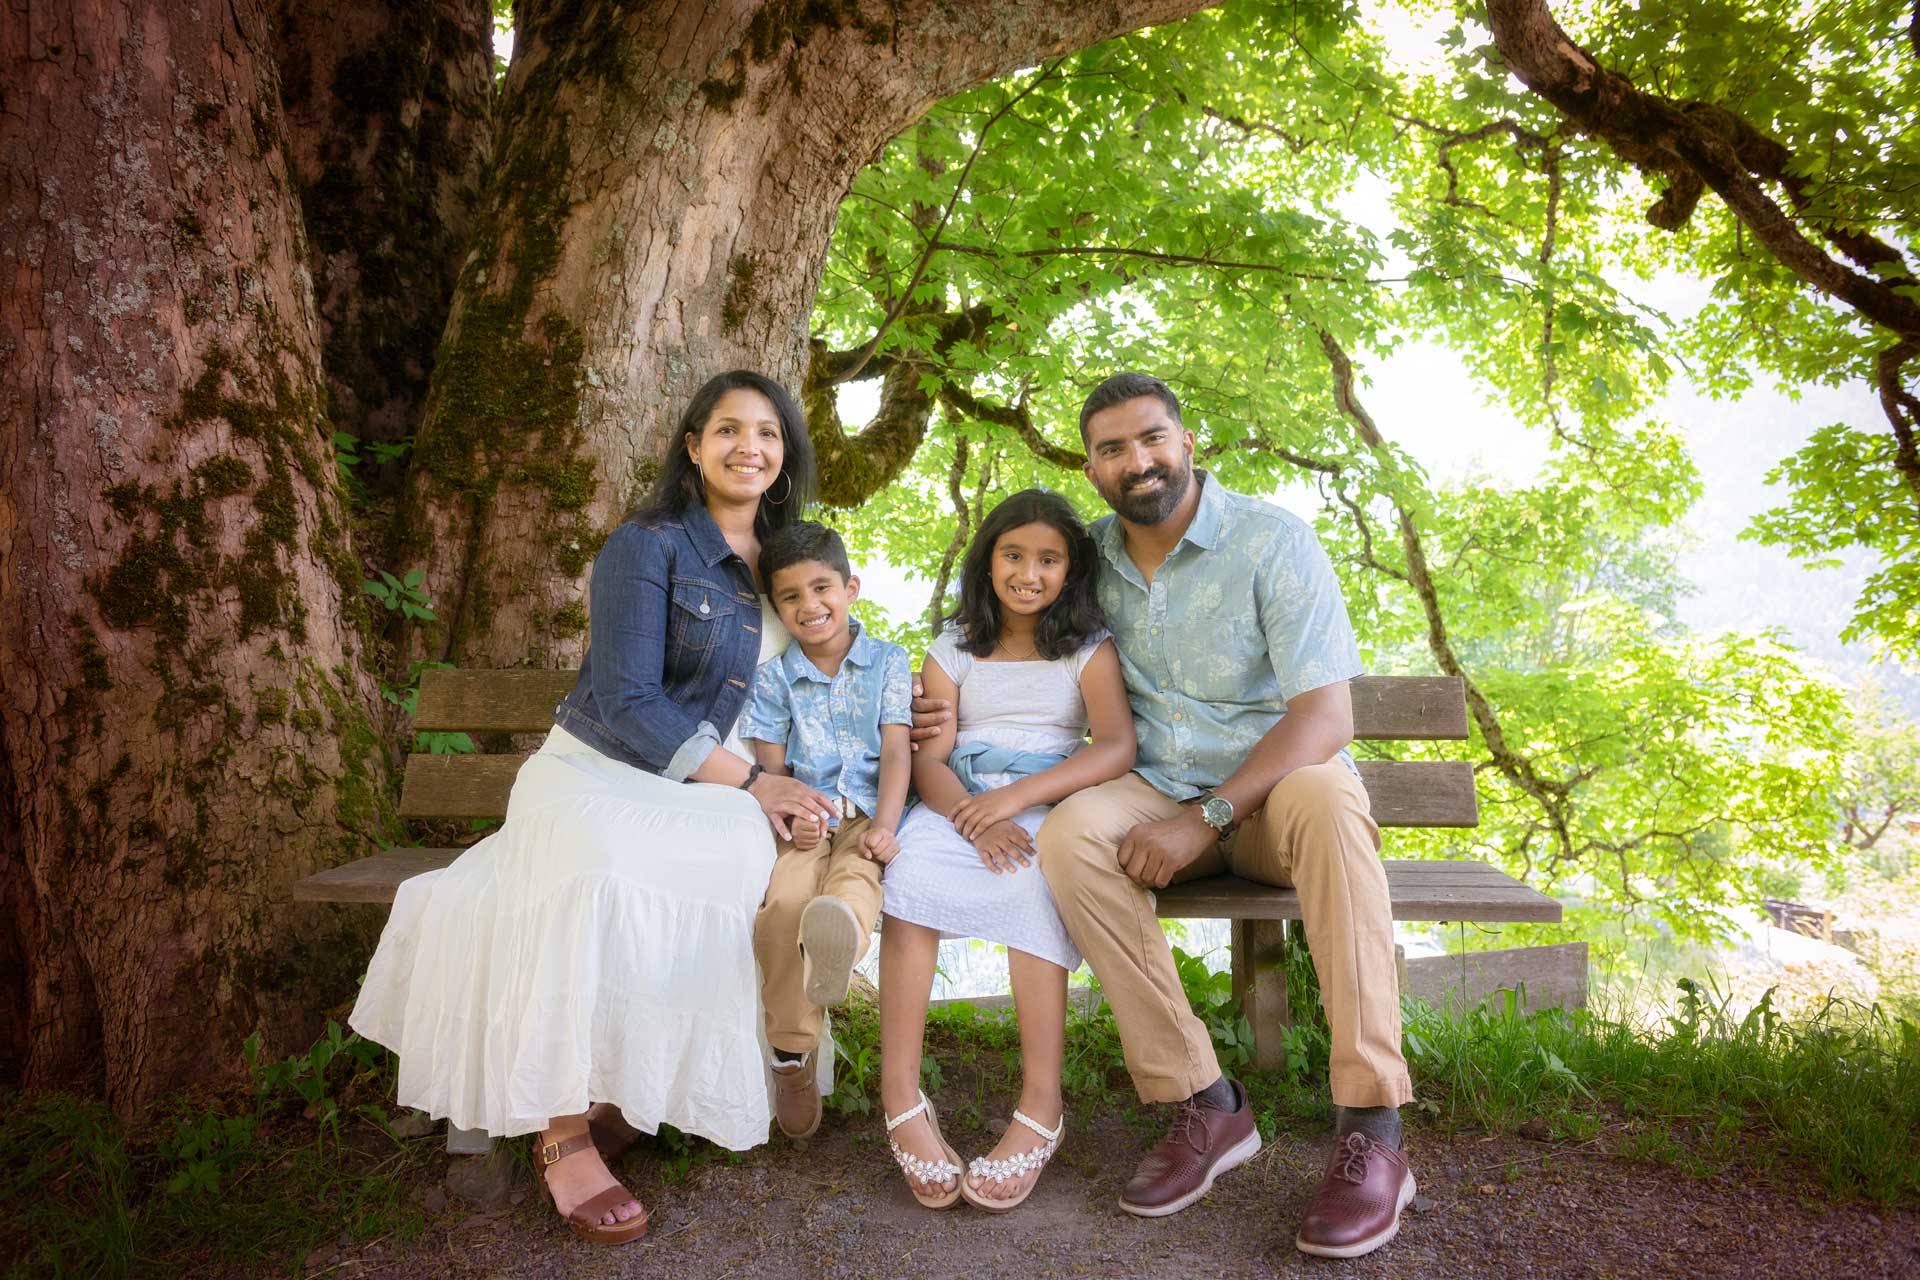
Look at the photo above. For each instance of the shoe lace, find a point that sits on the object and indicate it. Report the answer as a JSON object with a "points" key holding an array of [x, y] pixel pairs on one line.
{"points": [[1350, 1157], [1186, 1126]]}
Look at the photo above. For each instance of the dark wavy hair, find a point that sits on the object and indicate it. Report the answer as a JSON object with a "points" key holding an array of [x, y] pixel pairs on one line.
{"points": [[1075, 614], [678, 486], [799, 542]]}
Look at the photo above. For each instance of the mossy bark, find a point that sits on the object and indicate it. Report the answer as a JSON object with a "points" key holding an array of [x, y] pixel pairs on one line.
{"points": [[179, 577], [667, 181], [387, 105]]}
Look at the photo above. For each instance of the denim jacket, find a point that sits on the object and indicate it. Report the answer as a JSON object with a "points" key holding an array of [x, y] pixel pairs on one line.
{"points": [[674, 632]]}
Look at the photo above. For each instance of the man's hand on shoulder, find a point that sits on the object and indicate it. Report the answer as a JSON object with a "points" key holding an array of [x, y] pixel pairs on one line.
{"points": [[1154, 852], [928, 713]]}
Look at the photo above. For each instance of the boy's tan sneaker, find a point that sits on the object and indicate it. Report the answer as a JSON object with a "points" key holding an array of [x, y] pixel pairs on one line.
{"points": [[830, 939], [796, 1097]]}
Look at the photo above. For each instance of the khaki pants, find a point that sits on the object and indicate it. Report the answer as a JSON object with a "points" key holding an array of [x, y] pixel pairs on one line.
{"points": [[1315, 833], [835, 867]]}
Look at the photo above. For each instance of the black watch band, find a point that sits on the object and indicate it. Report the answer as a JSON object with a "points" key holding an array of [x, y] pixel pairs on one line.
{"points": [[753, 772]]}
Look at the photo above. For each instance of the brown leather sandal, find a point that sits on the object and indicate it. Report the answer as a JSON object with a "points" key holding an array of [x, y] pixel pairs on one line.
{"points": [[585, 1218]]}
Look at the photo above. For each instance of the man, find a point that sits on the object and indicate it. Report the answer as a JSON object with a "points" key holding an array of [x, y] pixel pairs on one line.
{"points": [[1237, 649]]}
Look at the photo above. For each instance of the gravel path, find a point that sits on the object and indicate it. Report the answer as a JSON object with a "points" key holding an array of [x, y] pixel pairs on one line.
{"points": [[1491, 1206]]}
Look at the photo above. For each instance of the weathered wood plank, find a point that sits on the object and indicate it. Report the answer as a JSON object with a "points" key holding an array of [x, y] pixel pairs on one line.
{"points": [[1421, 793], [1385, 708], [1550, 977], [1405, 793], [1388, 708], [1421, 896], [1258, 956], [372, 879], [490, 701], [461, 786]]}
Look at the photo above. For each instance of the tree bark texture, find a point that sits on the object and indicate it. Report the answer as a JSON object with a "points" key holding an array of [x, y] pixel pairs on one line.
{"points": [[387, 106], [666, 184], [184, 725]]}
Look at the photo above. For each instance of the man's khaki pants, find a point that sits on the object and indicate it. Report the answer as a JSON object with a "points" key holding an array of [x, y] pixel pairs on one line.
{"points": [[1315, 833], [834, 867]]}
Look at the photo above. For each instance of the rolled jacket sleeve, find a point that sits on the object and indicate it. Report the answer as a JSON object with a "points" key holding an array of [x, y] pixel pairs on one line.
{"points": [[628, 633]]}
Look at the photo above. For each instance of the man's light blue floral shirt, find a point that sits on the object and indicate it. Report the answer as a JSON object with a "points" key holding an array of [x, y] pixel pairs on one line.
{"points": [[831, 724], [1244, 614]]}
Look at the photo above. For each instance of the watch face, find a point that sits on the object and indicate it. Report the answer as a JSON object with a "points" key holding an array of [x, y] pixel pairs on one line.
{"points": [[1217, 811]]}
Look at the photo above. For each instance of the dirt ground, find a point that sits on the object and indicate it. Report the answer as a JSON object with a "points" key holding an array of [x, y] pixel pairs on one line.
{"points": [[1497, 1205]]}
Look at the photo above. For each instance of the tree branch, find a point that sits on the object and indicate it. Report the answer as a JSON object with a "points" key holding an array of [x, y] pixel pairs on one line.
{"points": [[1550, 793], [901, 303]]}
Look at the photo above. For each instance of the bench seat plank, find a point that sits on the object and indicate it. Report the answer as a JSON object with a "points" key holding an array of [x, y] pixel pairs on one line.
{"points": [[1421, 890], [1385, 708], [372, 879], [1405, 793]]}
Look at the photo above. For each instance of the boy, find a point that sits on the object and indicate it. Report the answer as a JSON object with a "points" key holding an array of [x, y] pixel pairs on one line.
{"points": [[832, 711]]}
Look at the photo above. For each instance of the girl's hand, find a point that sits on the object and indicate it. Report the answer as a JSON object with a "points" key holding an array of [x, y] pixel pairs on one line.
{"points": [[879, 844], [975, 814], [782, 798], [1005, 846]]}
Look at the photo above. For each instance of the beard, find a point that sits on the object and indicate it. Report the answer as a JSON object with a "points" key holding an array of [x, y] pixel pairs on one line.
{"points": [[1154, 505]]}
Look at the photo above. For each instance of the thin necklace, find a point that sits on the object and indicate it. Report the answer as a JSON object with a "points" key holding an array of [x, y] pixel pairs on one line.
{"points": [[1020, 657]]}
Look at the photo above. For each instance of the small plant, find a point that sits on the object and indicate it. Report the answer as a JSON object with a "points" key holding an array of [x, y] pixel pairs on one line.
{"points": [[406, 596], [304, 1075]]}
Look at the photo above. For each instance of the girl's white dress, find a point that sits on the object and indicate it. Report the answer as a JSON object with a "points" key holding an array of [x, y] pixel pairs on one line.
{"points": [[938, 880], [597, 947]]}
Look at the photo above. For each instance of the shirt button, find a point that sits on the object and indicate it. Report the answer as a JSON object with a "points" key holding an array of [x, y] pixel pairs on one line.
{"points": [[1165, 683], [1176, 715], [1153, 631]]}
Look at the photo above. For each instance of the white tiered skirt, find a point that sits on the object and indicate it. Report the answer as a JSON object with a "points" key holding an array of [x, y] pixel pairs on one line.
{"points": [[598, 947]]}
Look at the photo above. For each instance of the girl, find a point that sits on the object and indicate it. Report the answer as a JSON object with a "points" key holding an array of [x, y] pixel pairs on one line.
{"points": [[599, 946], [1028, 664]]}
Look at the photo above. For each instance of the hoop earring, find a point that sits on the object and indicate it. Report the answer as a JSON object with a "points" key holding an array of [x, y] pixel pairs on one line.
{"points": [[699, 486], [781, 500]]}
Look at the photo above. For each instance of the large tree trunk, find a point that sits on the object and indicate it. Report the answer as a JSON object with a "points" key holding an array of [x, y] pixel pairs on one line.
{"points": [[667, 183], [184, 725], [387, 124]]}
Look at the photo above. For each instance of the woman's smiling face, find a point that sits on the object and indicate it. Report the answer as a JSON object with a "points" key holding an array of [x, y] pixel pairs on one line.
{"points": [[1029, 568], [740, 450]]}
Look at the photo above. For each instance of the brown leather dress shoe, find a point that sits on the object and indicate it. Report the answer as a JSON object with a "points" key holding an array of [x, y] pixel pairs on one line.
{"points": [[796, 1097], [1202, 1143], [1357, 1208]]}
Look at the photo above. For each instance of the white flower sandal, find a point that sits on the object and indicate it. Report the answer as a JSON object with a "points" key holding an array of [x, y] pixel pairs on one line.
{"points": [[926, 1171], [1014, 1166]]}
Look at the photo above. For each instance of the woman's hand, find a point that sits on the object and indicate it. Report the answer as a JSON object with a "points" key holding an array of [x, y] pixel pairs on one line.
{"points": [[976, 813], [782, 798], [1005, 846]]}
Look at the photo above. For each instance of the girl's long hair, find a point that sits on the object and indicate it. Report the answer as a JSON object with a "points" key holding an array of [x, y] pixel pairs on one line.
{"points": [[1075, 615], [678, 486]]}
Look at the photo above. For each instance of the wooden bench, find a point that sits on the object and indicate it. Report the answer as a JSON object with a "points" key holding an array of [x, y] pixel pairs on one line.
{"points": [[1385, 708]]}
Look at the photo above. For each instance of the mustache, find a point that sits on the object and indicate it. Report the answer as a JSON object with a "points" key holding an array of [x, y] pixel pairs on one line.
{"points": [[1141, 477]]}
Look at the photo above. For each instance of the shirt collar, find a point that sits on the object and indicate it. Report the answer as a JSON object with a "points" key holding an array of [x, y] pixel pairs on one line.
{"points": [[1203, 531], [704, 533], [800, 667]]}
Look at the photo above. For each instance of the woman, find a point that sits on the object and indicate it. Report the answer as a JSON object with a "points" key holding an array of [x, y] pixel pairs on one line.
{"points": [[599, 946]]}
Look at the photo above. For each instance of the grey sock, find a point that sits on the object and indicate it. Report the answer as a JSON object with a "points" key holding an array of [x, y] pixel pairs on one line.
{"points": [[1382, 1124], [1220, 1094]]}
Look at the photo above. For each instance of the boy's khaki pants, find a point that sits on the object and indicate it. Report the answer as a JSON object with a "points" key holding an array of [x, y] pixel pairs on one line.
{"points": [[835, 867], [1315, 833]]}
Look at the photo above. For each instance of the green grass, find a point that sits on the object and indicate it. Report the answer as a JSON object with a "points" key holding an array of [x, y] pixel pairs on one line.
{"points": [[1837, 1094]]}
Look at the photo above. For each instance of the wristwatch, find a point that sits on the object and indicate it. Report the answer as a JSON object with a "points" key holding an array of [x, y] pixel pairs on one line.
{"points": [[1217, 812]]}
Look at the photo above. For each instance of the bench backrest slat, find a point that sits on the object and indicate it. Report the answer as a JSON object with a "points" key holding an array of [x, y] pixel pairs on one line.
{"points": [[1385, 708], [1417, 793]]}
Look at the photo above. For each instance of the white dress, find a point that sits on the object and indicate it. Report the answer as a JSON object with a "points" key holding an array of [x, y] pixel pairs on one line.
{"points": [[597, 947], [938, 880]]}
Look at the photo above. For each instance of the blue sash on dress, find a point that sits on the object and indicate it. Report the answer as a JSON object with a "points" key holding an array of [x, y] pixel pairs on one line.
{"points": [[968, 762]]}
